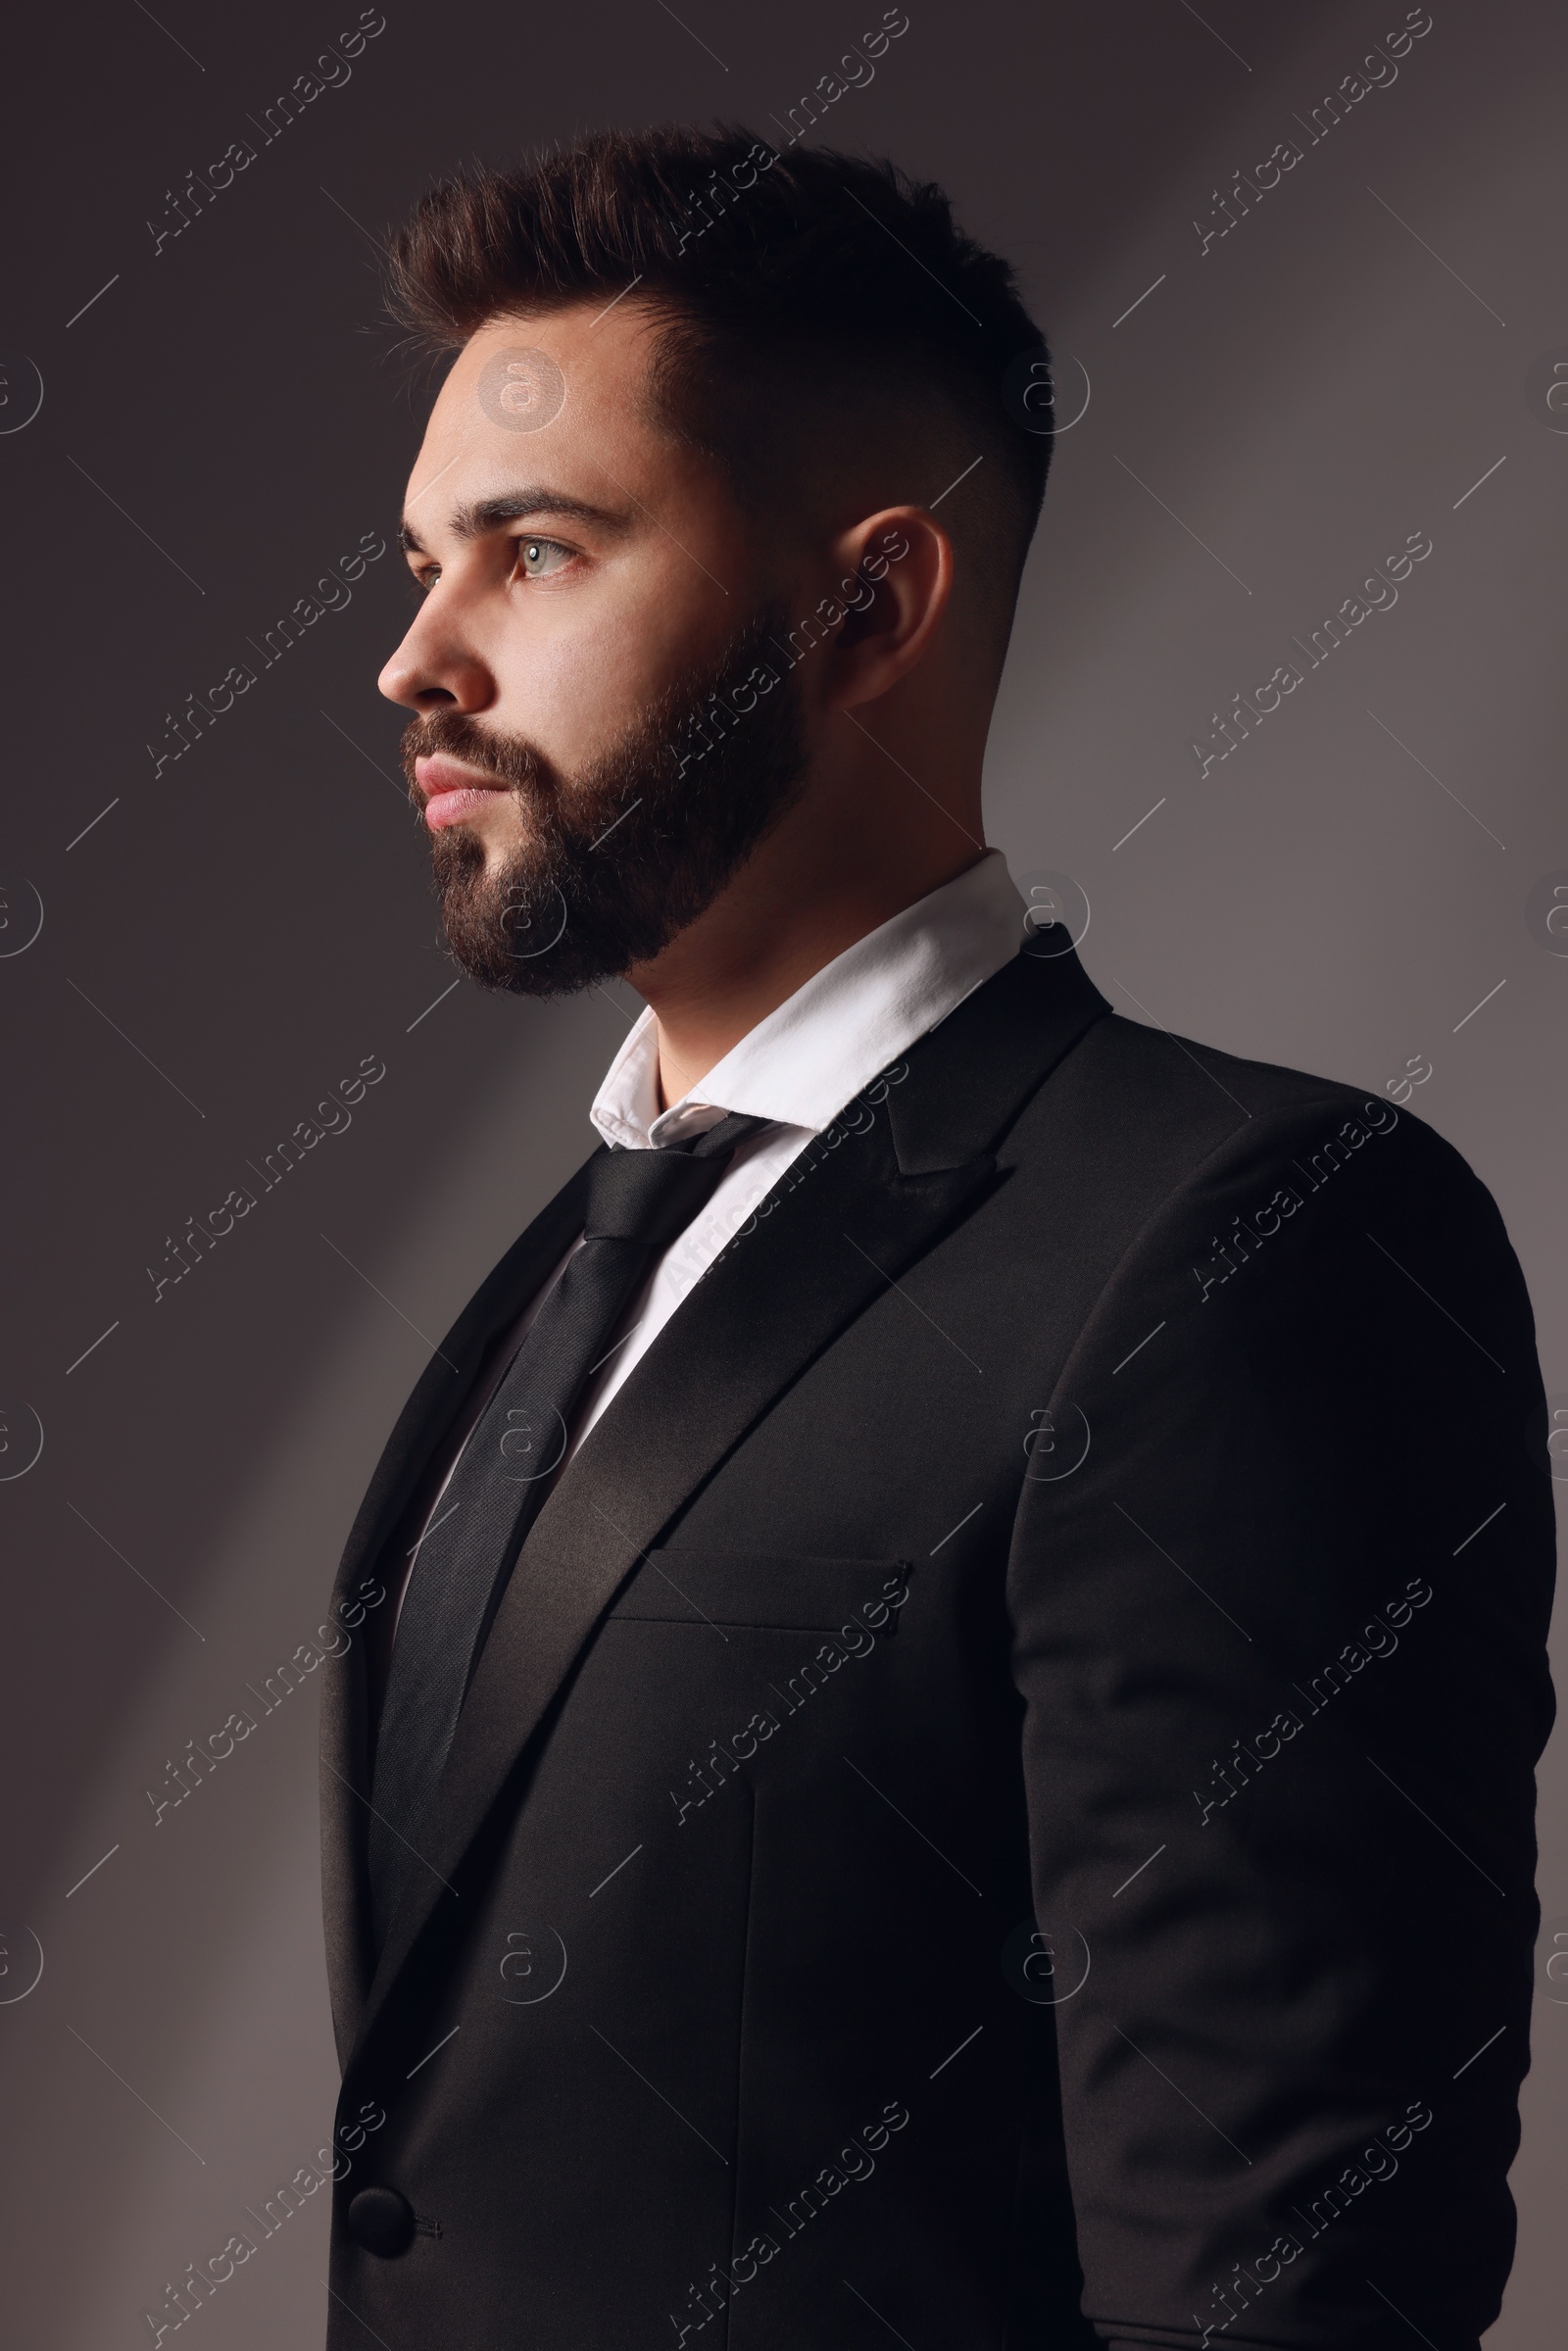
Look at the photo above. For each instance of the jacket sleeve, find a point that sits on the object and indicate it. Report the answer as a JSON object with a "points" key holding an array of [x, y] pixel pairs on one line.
{"points": [[1280, 1584]]}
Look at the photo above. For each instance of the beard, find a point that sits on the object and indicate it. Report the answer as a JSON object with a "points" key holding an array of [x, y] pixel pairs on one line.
{"points": [[617, 860]]}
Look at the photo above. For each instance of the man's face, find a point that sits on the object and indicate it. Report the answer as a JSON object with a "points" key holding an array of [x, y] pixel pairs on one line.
{"points": [[587, 583]]}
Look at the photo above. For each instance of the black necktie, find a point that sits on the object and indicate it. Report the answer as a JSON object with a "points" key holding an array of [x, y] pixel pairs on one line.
{"points": [[638, 1202]]}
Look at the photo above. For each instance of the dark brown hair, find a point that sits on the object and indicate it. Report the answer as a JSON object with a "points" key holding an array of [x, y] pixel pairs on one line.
{"points": [[799, 293]]}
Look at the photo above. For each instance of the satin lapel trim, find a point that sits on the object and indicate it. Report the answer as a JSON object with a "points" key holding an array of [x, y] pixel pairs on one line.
{"points": [[423, 1421], [972, 1074], [772, 1302]]}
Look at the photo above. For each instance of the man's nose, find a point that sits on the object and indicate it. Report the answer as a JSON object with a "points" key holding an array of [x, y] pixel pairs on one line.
{"points": [[434, 669]]}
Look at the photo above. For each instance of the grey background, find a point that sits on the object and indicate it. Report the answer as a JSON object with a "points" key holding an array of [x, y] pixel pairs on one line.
{"points": [[230, 939]]}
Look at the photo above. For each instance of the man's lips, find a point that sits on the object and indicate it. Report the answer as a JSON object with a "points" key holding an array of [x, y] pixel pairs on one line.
{"points": [[451, 792]]}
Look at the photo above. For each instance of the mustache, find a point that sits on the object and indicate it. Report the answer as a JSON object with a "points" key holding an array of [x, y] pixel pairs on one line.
{"points": [[502, 760]]}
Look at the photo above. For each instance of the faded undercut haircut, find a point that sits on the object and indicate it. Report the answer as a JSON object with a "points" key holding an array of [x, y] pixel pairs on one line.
{"points": [[807, 301]]}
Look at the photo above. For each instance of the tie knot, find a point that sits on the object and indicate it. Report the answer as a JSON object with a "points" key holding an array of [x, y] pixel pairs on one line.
{"points": [[650, 1197]]}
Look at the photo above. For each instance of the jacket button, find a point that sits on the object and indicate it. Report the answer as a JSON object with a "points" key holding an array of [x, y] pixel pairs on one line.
{"points": [[382, 2221]]}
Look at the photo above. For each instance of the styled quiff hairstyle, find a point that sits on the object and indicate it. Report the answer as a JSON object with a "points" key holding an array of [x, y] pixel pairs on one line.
{"points": [[800, 295]]}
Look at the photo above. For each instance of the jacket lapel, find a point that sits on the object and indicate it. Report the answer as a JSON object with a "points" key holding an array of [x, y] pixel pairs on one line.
{"points": [[849, 1216], [442, 1388]]}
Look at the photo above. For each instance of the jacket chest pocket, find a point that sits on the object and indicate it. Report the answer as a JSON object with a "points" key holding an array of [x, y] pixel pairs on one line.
{"points": [[855, 1601]]}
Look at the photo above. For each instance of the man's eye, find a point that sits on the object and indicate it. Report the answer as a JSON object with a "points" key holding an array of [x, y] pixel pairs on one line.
{"points": [[538, 557]]}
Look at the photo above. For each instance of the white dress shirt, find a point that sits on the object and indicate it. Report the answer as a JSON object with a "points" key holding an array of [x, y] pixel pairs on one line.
{"points": [[799, 1068]]}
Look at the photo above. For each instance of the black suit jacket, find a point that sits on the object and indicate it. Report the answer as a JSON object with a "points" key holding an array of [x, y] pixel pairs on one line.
{"points": [[997, 1803]]}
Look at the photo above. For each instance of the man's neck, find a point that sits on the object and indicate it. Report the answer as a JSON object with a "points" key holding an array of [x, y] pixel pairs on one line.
{"points": [[749, 952]]}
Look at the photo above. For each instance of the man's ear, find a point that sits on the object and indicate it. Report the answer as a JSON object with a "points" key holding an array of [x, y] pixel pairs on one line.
{"points": [[895, 577]]}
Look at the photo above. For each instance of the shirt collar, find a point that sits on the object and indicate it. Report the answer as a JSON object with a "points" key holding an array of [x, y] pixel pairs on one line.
{"points": [[814, 1051]]}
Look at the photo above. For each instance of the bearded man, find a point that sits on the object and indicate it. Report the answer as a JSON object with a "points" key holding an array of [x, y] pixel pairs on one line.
{"points": [[951, 1756]]}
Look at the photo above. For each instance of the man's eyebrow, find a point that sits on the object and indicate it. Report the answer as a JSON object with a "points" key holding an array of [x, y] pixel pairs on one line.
{"points": [[486, 514]]}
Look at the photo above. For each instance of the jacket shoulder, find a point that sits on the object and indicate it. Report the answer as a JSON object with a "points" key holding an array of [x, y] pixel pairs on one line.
{"points": [[1169, 1104]]}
